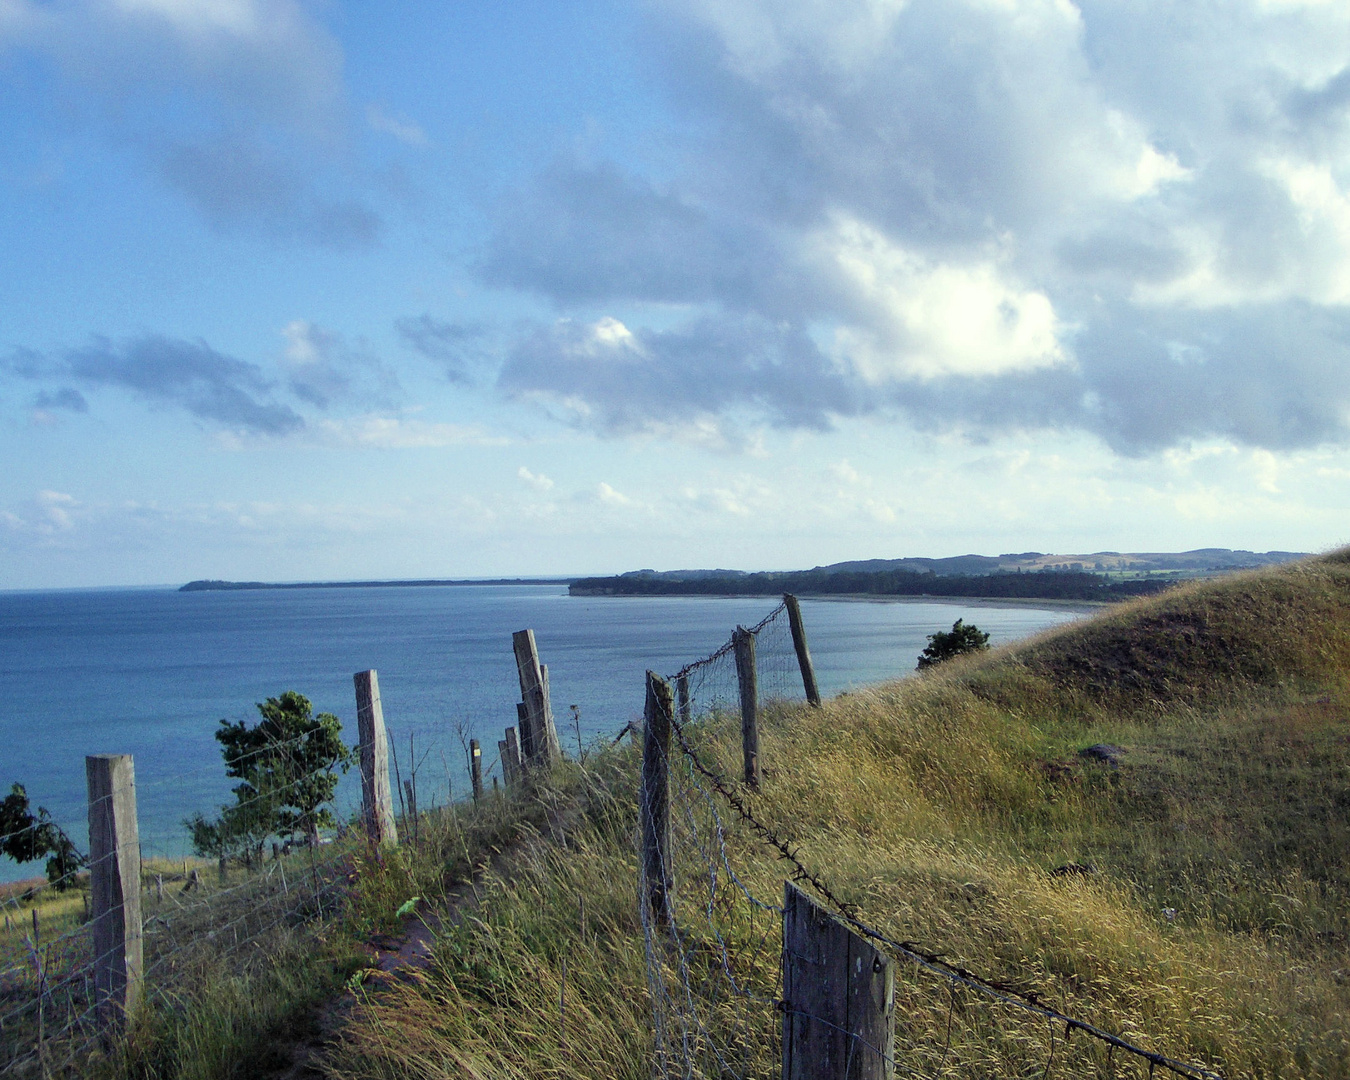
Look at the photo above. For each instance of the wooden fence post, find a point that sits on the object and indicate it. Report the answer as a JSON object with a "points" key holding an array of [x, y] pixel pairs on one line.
{"points": [[682, 701], [476, 768], [525, 725], [654, 798], [115, 890], [838, 998], [375, 797], [744, 643], [544, 750], [511, 761], [794, 611]]}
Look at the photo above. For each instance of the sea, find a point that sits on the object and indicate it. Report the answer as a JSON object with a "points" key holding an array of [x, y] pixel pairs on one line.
{"points": [[152, 672]]}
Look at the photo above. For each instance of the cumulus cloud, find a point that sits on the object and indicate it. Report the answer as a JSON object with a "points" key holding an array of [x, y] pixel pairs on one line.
{"points": [[238, 104], [1131, 219]]}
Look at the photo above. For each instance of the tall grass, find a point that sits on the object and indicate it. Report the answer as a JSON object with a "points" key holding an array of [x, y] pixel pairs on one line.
{"points": [[1214, 927]]}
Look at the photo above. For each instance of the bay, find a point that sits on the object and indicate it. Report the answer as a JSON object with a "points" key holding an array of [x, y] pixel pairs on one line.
{"points": [[151, 672]]}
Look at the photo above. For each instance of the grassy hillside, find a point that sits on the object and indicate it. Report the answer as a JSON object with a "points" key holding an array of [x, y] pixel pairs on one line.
{"points": [[1213, 922]]}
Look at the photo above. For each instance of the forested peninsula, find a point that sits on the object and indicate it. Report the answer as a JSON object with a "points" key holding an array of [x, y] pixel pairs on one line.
{"points": [[1063, 585]]}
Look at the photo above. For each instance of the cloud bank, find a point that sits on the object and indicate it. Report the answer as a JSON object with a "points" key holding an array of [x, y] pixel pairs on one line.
{"points": [[1129, 218]]}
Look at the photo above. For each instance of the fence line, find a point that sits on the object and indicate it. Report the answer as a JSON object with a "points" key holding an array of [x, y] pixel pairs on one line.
{"points": [[711, 978], [54, 1004]]}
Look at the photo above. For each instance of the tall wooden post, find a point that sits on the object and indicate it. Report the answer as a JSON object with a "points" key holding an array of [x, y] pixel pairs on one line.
{"points": [[794, 611], [682, 701], [476, 768], [375, 797], [744, 644], [654, 798], [838, 998], [545, 750], [115, 890]]}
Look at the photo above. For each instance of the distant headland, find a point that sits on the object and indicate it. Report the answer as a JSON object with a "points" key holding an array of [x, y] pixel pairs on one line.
{"points": [[215, 585], [1102, 576]]}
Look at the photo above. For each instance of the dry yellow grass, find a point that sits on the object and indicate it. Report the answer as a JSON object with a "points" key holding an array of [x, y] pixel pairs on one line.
{"points": [[939, 805]]}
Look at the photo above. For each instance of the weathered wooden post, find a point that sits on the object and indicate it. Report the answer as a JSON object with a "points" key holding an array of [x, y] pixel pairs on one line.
{"points": [[525, 725], [510, 752], [545, 750], [744, 644], [838, 998], [682, 701], [654, 798], [375, 797], [794, 610], [476, 768], [115, 890]]}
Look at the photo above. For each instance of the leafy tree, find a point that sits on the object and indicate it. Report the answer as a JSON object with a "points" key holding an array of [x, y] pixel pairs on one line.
{"points": [[25, 837], [960, 640], [286, 766]]}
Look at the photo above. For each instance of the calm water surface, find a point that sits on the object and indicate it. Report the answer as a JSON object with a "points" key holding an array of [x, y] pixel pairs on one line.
{"points": [[152, 672]]}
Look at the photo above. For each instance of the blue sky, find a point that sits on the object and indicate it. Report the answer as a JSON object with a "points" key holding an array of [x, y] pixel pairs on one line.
{"points": [[294, 290]]}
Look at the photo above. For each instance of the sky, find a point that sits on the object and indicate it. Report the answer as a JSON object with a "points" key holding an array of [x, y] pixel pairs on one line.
{"points": [[314, 290]]}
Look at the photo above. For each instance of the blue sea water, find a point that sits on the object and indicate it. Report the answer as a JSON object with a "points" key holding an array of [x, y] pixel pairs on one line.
{"points": [[151, 672]]}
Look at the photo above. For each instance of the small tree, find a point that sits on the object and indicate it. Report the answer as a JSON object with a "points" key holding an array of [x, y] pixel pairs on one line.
{"points": [[944, 645], [286, 764], [25, 837]]}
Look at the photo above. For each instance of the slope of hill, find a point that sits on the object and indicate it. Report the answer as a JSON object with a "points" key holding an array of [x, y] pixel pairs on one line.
{"points": [[1208, 914]]}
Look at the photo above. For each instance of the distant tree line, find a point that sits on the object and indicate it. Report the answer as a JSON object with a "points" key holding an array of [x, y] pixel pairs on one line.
{"points": [[1063, 585]]}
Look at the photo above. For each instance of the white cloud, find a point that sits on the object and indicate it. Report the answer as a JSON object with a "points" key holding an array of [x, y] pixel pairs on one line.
{"points": [[404, 130], [933, 319], [396, 433], [237, 17], [538, 481], [610, 496], [56, 507], [979, 215]]}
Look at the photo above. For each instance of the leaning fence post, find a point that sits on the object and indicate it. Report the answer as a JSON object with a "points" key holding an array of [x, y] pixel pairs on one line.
{"points": [[476, 768], [115, 890], [838, 998], [654, 798], [794, 610], [375, 797], [744, 644], [682, 701], [544, 748]]}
